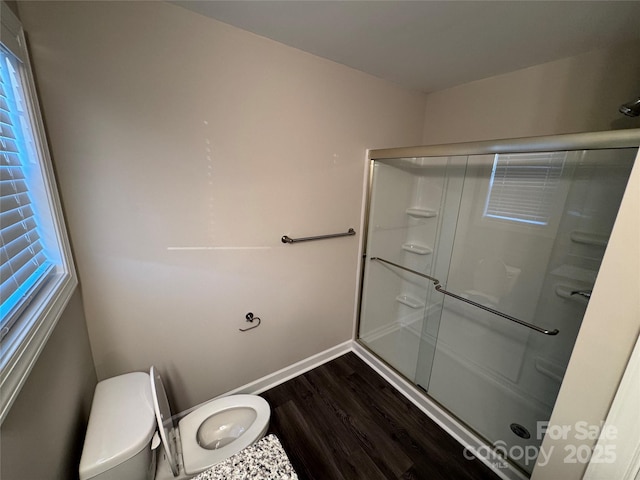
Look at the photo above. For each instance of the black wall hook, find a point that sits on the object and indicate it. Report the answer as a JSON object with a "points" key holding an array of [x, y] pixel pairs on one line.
{"points": [[250, 318]]}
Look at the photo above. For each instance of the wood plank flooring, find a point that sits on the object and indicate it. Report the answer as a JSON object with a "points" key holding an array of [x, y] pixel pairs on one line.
{"points": [[342, 421]]}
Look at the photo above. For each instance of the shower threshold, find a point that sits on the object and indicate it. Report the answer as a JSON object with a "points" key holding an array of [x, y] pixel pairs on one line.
{"points": [[471, 441]]}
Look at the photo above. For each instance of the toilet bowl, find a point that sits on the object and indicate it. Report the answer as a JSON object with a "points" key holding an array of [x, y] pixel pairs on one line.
{"points": [[212, 432], [121, 439]]}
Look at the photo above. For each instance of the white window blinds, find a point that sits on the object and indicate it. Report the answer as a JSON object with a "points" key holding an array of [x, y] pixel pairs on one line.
{"points": [[523, 186], [24, 265], [37, 277]]}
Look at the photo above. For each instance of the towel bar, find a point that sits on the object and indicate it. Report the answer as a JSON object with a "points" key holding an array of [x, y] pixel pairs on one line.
{"points": [[438, 287], [286, 239]]}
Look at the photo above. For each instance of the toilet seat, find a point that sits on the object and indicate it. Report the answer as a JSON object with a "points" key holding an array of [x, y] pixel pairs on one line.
{"points": [[166, 427], [195, 458]]}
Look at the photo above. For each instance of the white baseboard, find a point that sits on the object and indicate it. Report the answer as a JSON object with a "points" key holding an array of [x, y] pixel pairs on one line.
{"points": [[276, 378]]}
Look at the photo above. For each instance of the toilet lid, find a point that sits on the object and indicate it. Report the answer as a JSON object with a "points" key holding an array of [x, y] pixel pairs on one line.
{"points": [[164, 419]]}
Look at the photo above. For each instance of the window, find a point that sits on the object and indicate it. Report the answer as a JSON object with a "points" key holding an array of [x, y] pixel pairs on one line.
{"points": [[523, 186], [36, 271], [25, 263]]}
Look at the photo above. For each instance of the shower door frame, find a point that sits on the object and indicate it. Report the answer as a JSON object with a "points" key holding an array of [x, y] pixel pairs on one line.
{"points": [[615, 139]]}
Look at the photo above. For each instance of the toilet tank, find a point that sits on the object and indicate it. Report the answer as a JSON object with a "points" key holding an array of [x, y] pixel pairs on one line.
{"points": [[121, 426]]}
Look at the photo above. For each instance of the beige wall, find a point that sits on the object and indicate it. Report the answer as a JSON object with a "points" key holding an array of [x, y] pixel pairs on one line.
{"points": [[185, 149], [51, 412], [576, 94]]}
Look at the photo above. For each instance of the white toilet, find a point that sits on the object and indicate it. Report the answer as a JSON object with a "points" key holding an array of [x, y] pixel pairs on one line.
{"points": [[123, 434]]}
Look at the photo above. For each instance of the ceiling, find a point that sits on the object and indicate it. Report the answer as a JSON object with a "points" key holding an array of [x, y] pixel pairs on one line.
{"points": [[432, 45]]}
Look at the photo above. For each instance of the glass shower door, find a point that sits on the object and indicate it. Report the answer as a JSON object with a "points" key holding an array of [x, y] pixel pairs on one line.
{"points": [[518, 240], [530, 236], [399, 310]]}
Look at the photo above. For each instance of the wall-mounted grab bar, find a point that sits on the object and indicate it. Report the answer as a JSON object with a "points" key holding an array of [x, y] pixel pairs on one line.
{"points": [[286, 239], [438, 287]]}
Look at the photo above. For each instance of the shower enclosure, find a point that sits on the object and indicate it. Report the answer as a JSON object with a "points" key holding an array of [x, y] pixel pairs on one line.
{"points": [[478, 267]]}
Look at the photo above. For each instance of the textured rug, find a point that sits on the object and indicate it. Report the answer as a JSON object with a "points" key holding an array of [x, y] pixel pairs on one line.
{"points": [[264, 460]]}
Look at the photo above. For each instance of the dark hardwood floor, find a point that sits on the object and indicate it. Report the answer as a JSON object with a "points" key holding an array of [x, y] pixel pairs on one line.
{"points": [[343, 421]]}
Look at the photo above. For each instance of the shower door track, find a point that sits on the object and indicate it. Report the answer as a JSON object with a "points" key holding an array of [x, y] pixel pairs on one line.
{"points": [[438, 287]]}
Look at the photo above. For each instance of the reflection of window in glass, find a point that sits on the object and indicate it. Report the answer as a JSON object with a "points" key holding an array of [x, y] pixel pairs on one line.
{"points": [[523, 186]]}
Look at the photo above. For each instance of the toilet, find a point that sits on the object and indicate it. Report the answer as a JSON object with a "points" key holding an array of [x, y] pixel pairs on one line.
{"points": [[130, 418]]}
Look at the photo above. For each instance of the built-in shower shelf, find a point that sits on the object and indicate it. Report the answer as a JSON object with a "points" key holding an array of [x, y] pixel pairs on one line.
{"points": [[417, 248], [564, 291], [576, 273], [587, 238], [550, 369], [421, 212], [409, 301]]}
